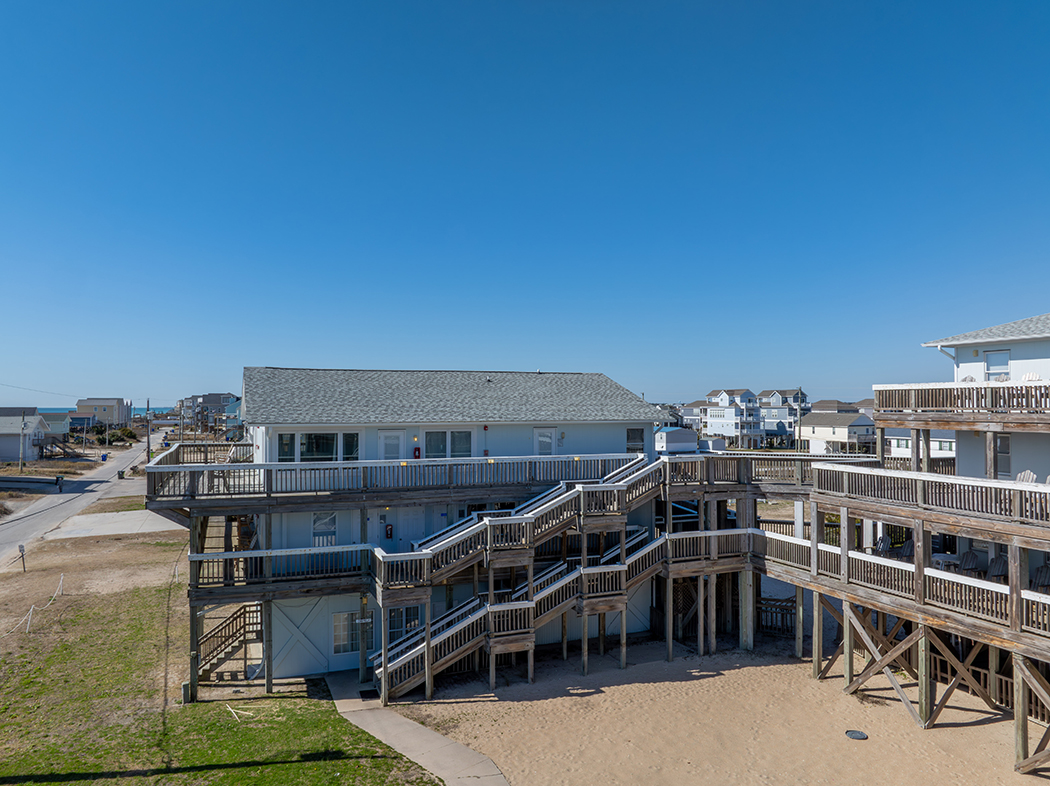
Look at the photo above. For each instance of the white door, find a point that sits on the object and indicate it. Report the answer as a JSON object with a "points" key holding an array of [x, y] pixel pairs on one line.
{"points": [[391, 445], [543, 441]]}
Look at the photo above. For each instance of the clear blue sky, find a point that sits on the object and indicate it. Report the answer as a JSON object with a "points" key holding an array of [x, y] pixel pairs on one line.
{"points": [[680, 195]]}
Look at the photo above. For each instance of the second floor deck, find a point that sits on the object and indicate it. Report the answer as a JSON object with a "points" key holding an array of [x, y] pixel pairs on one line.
{"points": [[976, 406]]}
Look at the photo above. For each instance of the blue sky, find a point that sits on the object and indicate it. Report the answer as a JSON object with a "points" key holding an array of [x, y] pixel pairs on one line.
{"points": [[680, 195]]}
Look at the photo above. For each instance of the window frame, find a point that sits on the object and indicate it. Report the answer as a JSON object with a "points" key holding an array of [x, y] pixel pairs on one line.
{"points": [[448, 431]]}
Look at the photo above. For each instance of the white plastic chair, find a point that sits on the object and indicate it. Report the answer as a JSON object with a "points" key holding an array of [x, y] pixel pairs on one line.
{"points": [[1026, 477]]}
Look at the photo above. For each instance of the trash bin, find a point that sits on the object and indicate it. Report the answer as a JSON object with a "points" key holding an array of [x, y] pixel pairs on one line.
{"points": [[165, 443], [120, 474], [104, 456]]}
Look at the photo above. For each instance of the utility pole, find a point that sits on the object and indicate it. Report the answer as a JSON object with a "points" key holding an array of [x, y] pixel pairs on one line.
{"points": [[21, 441], [149, 453]]}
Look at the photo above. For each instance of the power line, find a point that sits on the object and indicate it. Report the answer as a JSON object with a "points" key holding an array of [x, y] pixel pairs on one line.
{"points": [[48, 392]]}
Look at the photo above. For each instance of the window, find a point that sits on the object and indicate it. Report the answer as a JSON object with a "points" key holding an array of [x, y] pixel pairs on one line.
{"points": [[341, 633], [317, 447], [403, 621], [351, 447], [944, 446], [96, 409], [447, 444], [1002, 450], [635, 440], [996, 364], [324, 529], [286, 447], [903, 443], [355, 632]]}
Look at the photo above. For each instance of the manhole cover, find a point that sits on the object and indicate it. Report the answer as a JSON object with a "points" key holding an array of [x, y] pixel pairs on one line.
{"points": [[853, 734]]}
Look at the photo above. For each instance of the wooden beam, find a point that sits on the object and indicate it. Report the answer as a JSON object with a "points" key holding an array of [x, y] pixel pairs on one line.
{"points": [[799, 623], [1020, 712], [818, 634], [712, 619], [961, 673], [927, 687]]}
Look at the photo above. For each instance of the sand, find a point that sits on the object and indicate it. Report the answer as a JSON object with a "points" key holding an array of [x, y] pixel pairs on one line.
{"points": [[736, 717]]}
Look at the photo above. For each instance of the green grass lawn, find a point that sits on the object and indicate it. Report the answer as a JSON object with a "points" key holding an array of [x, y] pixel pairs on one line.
{"points": [[83, 700]]}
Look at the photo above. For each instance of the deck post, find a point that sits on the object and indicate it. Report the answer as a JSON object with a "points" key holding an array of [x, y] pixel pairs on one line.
{"points": [[880, 445], [991, 456], [800, 519], [818, 635], [267, 626], [195, 648], [926, 459], [428, 655], [799, 621], [993, 675], [816, 536], [267, 543], [922, 559], [916, 456], [927, 688], [601, 633], [847, 641], [712, 514], [847, 535], [584, 643], [1018, 578], [623, 638], [492, 671], [668, 617], [746, 581], [1020, 712], [476, 583], [532, 665], [700, 614], [384, 633], [565, 635], [362, 650], [712, 600]]}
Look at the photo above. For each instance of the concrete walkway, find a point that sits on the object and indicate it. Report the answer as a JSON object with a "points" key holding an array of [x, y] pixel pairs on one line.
{"points": [[448, 760], [129, 522]]}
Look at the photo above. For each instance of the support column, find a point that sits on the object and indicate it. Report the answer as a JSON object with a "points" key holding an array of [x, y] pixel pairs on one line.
{"points": [[532, 666], [916, 456], [867, 536], [1018, 578], [384, 645], [492, 672], [799, 621], [712, 618], [993, 675], [1020, 713], [922, 559], [601, 634], [584, 644], [991, 456], [800, 519], [847, 537], [267, 626], [700, 614], [927, 688], [362, 650], [428, 655], [816, 536], [925, 433], [623, 638], [565, 635], [195, 649], [668, 621], [847, 641], [880, 444], [712, 514], [746, 581], [818, 636]]}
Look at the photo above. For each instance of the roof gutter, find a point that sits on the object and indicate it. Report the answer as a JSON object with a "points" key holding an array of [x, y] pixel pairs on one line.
{"points": [[948, 355]]}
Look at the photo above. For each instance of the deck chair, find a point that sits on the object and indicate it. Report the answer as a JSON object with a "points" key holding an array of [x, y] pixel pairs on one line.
{"points": [[907, 552], [998, 570], [1003, 378], [1041, 581], [883, 546], [968, 378], [1031, 376], [1025, 477], [968, 564]]}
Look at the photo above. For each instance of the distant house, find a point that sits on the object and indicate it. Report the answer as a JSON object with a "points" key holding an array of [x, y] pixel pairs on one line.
{"points": [[21, 435], [780, 412], [58, 424], [734, 414], [694, 414], [838, 432], [898, 443], [866, 406], [833, 405], [114, 411], [206, 410], [79, 420]]}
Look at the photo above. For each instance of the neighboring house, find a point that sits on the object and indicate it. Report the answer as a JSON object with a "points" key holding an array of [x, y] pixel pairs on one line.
{"points": [[204, 411], [833, 405], [735, 415], [58, 424], [114, 411], [780, 412], [21, 437], [866, 406], [999, 373], [897, 443], [838, 432], [668, 439], [694, 414], [78, 421]]}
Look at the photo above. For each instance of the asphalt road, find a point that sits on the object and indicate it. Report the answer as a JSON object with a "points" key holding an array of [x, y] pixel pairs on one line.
{"points": [[52, 509]]}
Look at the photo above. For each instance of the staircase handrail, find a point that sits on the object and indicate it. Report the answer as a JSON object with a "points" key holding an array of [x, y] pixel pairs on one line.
{"points": [[540, 582], [633, 540], [572, 575], [377, 657], [450, 618]]}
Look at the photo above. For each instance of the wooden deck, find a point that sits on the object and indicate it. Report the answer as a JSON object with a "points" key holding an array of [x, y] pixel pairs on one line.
{"points": [[977, 406]]}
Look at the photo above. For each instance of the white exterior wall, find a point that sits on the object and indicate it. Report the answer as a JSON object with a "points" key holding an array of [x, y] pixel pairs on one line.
{"points": [[1027, 451], [1025, 357]]}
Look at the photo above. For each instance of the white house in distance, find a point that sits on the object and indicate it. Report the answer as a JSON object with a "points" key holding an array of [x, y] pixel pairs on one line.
{"points": [[14, 429], [898, 443], [838, 432], [735, 415], [780, 412], [295, 415], [694, 414]]}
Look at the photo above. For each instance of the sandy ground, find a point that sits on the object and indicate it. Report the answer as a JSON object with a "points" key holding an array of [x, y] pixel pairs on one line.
{"points": [[736, 717]]}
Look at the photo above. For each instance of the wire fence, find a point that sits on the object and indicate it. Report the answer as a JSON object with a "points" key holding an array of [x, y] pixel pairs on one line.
{"points": [[28, 618]]}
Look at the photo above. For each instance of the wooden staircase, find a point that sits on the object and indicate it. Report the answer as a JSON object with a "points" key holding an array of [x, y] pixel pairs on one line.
{"points": [[229, 638]]}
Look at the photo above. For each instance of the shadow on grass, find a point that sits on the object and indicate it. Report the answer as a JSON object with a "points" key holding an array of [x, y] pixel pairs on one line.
{"points": [[67, 777]]}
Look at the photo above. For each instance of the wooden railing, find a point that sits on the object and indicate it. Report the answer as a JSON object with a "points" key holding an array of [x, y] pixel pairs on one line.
{"points": [[168, 480], [243, 625], [970, 496], [411, 569], [940, 465], [238, 568], [890, 576], [972, 597], [603, 580], [973, 397], [511, 618], [560, 592]]}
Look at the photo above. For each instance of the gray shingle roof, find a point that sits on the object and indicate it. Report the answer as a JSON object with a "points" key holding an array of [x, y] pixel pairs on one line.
{"points": [[1032, 327], [13, 424], [336, 396], [16, 412]]}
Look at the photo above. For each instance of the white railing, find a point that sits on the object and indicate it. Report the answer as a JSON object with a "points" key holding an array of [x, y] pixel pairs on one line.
{"points": [[263, 566], [896, 578], [973, 597]]}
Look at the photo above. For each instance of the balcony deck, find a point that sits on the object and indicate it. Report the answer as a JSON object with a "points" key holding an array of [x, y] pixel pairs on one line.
{"points": [[976, 406]]}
